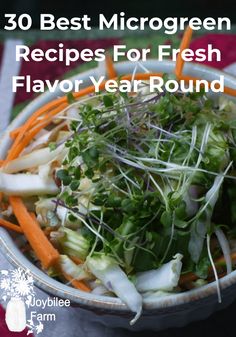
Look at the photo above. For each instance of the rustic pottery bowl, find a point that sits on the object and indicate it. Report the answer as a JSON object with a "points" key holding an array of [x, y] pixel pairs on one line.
{"points": [[166, 312]]}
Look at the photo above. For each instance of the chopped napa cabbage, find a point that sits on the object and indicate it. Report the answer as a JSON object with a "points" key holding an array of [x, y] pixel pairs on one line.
{"points": [[153, 296], [72, 269], [114, 279], [73, 243], [165, 278], [35, 159], [26, 184]]}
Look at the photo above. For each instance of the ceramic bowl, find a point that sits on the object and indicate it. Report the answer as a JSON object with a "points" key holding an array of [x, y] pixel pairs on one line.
{"points": [[166, 312]]}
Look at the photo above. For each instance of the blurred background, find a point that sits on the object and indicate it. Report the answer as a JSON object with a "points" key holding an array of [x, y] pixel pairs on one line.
{"points": [[200, 8]]}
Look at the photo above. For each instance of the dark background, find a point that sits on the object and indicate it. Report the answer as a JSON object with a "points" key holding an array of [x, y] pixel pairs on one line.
{"points": [[159, 8]]}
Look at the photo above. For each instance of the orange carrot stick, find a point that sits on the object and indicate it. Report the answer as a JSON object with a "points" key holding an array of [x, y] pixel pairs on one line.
{"points": [[45, 109], [9, 225], [190, 277], [48, 230], [110, 69], [76, 259], [33, 216], [43, 249], [186, 278], [14, 133], [221, 260], [183, 45], [23, 141]]}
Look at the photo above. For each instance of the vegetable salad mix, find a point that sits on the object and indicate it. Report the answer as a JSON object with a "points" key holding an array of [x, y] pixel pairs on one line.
{"points": [[127, 195]]}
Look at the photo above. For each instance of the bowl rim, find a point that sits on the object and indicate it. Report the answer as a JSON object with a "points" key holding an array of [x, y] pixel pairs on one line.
{"points": [[88, 300]]}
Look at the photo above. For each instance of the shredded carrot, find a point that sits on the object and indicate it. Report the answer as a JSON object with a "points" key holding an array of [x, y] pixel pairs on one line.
{"points": [[9, 225], [45, 109], [76, 259], [141, 76], [49, 230], [42, 247], [110, 69], [190, 277], [211, 278], [77, 284], [183, 45], [25, 138], [180, 62], [14, 133], [186, 278], [221, 260], [25, 141], [33, 216]]}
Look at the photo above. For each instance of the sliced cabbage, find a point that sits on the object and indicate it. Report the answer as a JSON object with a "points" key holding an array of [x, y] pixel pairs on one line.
{"points": [[190, 200], [74, 244], [72, 269], [43, 206], [114, 279], [165, 278], [153, 296], [197, 238], [224, 244], [26, 184], [34, 159], [199, 229], [100, 290], [45, 172], [43, 138]]}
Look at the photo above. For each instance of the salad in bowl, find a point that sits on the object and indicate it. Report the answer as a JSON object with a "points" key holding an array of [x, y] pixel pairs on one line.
{"points": [[127, 195]]}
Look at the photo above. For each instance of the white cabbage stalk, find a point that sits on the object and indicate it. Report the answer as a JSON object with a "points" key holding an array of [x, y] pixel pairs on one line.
{"points": [[43, 138], [34, 159], [26, 185], [115, 280], [224, 244], [44, 171], [85, 206], [190, 200], [164, 278], [227, 105], [153, 296], [86, 185], [74, 243], [100, 290], [199, 230], [45, 205], [72, 269], [197, 238], [73, 113]]}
